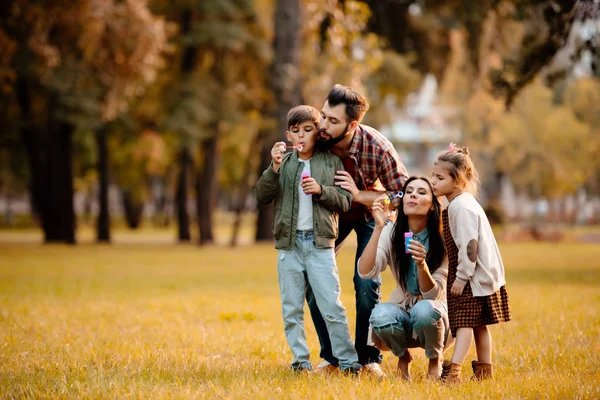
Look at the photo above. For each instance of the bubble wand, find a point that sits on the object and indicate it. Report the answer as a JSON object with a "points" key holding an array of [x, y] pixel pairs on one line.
{"points": [[388, 200], [285, 147]]}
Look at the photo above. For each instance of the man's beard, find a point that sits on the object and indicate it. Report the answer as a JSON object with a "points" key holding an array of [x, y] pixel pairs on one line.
{"points": [[330, 142]]}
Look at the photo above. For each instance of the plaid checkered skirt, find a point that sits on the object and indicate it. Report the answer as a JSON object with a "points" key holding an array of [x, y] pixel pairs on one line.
{"points": [[466, 310]]}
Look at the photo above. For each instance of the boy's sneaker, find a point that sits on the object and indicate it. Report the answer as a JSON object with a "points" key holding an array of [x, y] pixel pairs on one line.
{"points": [[325, 368], [373, 370]]}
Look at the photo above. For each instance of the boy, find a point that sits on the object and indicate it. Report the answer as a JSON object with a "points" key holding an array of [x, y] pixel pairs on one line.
{"points": [[307, 203]]}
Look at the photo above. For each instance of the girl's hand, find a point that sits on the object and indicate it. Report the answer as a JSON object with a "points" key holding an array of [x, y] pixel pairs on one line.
{"points": [[380, 211], [457, 288], [310, 186], [418, 251], [277, 155]]}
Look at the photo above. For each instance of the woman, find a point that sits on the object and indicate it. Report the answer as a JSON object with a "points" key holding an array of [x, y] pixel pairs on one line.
{"points": [[416, 314]]}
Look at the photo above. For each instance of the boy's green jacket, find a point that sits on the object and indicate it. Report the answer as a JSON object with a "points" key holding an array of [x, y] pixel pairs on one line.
{"points": [[282, 187]]}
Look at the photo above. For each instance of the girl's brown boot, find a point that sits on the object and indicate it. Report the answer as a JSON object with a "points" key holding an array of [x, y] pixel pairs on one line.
{"points": [[445, 369], [454, 374], [482, 370]]}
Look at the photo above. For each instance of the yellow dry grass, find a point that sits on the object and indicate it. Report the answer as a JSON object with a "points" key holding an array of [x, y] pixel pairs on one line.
{"points": [[170, 321]]}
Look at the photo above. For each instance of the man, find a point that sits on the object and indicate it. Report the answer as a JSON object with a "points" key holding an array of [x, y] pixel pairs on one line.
{"points": [[372, 166]]}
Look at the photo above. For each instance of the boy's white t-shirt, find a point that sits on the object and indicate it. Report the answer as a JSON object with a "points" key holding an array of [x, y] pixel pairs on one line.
{"points": [[305, 206]]}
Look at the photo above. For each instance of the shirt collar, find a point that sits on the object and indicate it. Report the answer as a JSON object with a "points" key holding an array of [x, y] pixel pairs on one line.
{"points": [[421, 236], [357, 141]]}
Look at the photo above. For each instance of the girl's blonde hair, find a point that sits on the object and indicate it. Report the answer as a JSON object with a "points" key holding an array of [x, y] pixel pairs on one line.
{"points": [[461, 168]]}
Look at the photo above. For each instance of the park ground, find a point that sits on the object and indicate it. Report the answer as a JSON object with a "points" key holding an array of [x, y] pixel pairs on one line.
{"points": [[152, 319]]}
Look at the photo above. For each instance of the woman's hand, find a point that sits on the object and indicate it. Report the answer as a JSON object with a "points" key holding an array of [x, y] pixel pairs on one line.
{"points": [[418, 251], [380, 211]]}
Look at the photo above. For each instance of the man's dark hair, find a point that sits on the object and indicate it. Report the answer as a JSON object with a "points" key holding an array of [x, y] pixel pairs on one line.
{"points": [[356, 104], [301, 114]]}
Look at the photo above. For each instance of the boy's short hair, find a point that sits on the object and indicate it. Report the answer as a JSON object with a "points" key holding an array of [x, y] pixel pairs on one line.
{"points": [[300, 114], [356, 104]]}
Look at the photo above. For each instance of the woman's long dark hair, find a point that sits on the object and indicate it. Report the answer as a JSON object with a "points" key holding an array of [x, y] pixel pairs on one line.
{"points": [[436, 252]]}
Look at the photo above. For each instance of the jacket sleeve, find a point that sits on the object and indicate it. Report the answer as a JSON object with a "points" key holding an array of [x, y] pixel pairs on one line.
{"points": [[392, 174], [267, 187], [440, 277], [334, 198], [464, 225]]}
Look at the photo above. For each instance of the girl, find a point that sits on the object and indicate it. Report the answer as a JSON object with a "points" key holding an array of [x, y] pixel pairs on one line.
{"points": [[416, 314], [477, 296]]}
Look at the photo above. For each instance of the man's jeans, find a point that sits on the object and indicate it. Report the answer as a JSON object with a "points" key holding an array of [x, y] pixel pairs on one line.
{"points": [[317, 266], [426, 326], [367, 296]]}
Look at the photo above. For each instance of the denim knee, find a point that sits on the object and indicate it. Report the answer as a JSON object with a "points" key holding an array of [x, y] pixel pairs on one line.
{"points": [[423, 314], [383, 315]]}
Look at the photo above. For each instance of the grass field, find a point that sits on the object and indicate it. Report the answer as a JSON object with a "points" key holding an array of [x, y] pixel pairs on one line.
{"points": [[169, 321]]}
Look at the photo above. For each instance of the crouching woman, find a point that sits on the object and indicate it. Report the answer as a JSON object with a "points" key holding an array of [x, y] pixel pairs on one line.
{"points": [[416, 314]]}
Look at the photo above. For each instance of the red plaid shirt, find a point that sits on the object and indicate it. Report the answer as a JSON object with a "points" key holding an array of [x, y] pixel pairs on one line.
{"points": [[376, 166]]}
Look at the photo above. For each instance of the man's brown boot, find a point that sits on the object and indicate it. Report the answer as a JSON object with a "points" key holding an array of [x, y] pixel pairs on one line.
{"points": [[482, 370], [454, 374]]}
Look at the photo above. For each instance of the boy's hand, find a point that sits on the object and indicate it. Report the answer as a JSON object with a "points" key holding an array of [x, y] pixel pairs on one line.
{"points": [[310, 186], [277, 155], [380, 211]]}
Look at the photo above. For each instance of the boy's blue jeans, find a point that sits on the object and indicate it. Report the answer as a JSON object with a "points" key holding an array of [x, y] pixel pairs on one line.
{"points": [[428, 320], [317, 266], [367, 296]]}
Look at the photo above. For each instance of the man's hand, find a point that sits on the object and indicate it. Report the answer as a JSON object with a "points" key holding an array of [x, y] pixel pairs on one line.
{"points": [[457, 288], [310, 186], [277, 155], [345, 181]]}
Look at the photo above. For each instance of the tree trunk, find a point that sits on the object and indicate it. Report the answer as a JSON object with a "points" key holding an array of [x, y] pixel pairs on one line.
{"points": [[103, 223], [183, 218], [284, 84], [188, 62], [133, 210], [206, 188], [264, 219], [65, 210], [8, 214], [50, 162], [58, 217], [244, 190], [206, 181]]}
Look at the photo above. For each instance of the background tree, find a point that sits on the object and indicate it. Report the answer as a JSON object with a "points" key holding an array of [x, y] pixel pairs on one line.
{"points": [[283, 82], [76, 64]]}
